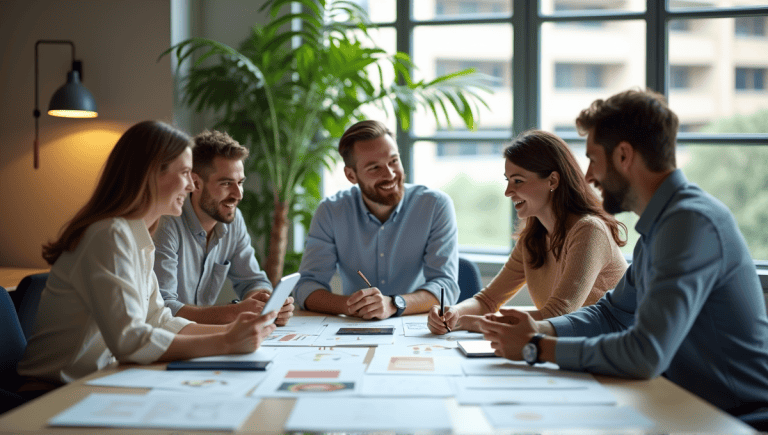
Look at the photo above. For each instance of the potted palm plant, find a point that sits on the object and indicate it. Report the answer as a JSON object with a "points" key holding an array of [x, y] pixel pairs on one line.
{"points": [[289, 94]]}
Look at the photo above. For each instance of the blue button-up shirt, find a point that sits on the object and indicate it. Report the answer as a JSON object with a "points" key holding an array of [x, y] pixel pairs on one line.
{"points": [[690, 306], [415, 249], [191, 273]]}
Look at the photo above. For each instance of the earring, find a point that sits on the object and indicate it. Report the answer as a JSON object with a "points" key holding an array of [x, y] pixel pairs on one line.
{"points": [[551, 190]]}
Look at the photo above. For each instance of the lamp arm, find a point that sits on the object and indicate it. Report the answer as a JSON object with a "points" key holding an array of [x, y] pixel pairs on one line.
{"points": [[36, 113]]}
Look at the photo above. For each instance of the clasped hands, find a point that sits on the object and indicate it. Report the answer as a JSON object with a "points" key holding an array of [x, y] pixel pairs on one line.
{"points": [[508, 330], [254, 302], [369, 303]]}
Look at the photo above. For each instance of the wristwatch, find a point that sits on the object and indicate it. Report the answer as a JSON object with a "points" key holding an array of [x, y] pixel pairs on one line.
{"points": [[531, 350], [399, 303]]}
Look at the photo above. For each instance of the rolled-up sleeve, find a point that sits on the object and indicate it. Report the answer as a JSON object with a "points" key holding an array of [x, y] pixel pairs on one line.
{"points": [[112, 287]]}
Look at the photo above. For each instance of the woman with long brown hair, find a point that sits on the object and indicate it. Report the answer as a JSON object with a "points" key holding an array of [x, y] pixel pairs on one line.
{"points": [[567, 251], [101, 302]]}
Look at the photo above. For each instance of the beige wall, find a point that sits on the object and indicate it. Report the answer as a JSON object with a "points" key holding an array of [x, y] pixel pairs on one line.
{"points": [[119, 42]]}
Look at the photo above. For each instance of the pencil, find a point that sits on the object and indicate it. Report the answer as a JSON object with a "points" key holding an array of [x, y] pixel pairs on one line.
{"points": [[442, 307], [364, 278]]}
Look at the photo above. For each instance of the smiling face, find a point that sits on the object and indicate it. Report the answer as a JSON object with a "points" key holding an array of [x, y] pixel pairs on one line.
{"points": [[222, 190], [173, 184], [530, 193], [378, 171], [603, 175]]}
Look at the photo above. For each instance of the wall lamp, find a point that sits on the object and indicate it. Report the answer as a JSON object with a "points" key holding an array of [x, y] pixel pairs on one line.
{"points": [[72, 100]]}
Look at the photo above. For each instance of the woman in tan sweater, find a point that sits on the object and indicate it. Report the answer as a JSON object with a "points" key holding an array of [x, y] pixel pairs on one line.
{"points": [[567, 251]]}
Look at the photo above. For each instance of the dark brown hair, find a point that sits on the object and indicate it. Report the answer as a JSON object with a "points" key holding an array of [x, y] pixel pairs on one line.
{"points": [[128, 183], [641, 118], [363, 130], [211, 144], [542, 153]]}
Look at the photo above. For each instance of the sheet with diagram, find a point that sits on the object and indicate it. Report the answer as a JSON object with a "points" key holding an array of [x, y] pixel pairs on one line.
{"points": [[402, 360], [230, 383], [301, 380]]}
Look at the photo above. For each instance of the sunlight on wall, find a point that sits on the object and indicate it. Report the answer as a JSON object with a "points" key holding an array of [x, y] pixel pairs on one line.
{"points": [[45, 199]]}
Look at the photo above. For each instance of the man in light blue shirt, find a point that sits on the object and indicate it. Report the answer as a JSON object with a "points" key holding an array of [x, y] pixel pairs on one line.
{"points": [[197, 251], [402, 238], [690, 307]]}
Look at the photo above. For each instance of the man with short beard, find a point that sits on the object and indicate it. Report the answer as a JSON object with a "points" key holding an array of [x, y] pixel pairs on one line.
{"points": [[395, 245], [690, 306], [197, 251]]}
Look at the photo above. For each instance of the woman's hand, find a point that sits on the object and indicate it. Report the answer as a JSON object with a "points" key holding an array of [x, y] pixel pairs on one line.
{"points": [[440, 325], [246, 333]]}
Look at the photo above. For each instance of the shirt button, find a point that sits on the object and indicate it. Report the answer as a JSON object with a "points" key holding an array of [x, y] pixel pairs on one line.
{"points": [[381, 229], [381, 255], [383, 281]]}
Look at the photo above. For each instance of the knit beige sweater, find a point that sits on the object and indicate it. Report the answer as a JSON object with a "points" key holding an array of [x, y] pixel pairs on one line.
{"points": [[590, 264]]}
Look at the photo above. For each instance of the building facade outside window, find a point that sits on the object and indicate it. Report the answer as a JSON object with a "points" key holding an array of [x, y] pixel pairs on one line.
{"points": [[552, 58]]}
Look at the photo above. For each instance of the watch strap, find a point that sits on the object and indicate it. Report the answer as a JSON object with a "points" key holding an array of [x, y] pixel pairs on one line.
{"points": [[535, 341]]}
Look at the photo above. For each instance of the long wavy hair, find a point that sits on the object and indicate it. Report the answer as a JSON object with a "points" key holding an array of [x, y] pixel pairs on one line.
{"points": [[128, 183], [542, 153]]}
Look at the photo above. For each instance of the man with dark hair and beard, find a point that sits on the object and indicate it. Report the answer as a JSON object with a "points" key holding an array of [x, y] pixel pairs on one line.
{"points": [[395, 245], [690, 306], [197, 251]]}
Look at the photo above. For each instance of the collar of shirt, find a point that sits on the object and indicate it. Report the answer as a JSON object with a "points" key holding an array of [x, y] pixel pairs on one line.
{"points": [[193, 223], [364, 208], [659, 201], [140, 234]]}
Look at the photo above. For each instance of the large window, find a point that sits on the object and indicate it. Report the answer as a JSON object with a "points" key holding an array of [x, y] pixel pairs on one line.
{"points": [[552, 58]]}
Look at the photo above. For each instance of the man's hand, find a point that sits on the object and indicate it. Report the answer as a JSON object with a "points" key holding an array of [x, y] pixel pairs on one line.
{"points": [[508, 331], [262, 296], [369, 304], [436, 324], [247, 332]]}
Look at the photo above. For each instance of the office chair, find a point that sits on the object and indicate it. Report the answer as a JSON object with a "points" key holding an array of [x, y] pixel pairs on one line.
{"points": [[469, 279], [29, 290], [12, 346]]}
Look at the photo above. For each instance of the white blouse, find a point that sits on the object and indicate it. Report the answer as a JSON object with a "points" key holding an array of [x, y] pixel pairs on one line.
{"points": [[101, 303]]}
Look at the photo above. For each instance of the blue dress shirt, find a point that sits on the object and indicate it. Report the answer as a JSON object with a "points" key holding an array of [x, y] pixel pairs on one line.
{"points": [[690, 306], [191, 273], [415, 249]]}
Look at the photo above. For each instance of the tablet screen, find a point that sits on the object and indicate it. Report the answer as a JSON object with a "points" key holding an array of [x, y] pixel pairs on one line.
{"points": [[281, 293]]}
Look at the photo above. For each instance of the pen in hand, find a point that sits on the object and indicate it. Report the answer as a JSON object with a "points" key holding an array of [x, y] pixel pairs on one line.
{"points": [[364, 278], [442, 307]]}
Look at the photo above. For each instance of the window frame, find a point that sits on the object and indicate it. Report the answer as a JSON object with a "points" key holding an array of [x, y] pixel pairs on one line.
{"points": [[526, 21]]}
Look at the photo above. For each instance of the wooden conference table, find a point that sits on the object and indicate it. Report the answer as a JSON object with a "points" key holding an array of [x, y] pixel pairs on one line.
{"points": [[671, 408]]}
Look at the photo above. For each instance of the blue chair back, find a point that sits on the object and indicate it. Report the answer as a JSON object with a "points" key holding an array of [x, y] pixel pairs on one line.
{"points": [[12, 346], [469, 278], [30, 289], [757, 419]]}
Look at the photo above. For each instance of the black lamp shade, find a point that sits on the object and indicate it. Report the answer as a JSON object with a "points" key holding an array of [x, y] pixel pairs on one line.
{"points": [[73, 100]]}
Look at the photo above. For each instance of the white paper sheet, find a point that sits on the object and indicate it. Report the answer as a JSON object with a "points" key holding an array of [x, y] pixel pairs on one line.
{"points": [[289, 337], [320, 355], [417, 346], [171, 412], [418, 328], [571, 381], [405, 386], [400, 360], [260, 354], [505, 367], [318, 380], [365, 415], [520, 418], [329, 337], [231, 383], [592, 395]]}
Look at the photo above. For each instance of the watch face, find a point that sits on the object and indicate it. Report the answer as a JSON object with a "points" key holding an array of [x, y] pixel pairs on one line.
{"points": [[399, 302], [530, 353]]}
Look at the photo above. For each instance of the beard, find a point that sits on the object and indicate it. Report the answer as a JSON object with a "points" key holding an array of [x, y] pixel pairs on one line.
{"points": [[615, 191], [212, 208], [388, 199]]}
